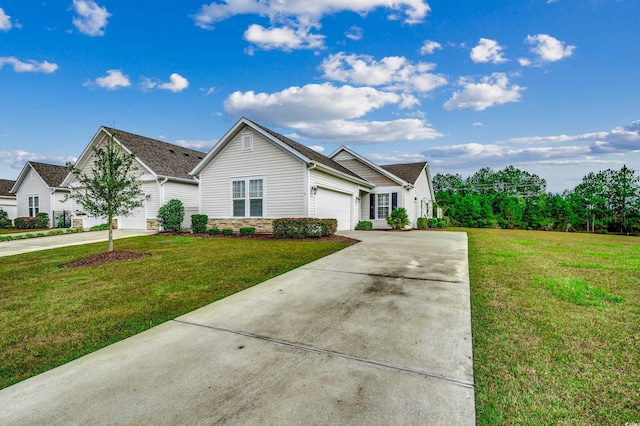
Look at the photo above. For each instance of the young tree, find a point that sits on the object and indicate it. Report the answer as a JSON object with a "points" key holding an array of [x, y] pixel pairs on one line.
{"points": [[112, 188]]}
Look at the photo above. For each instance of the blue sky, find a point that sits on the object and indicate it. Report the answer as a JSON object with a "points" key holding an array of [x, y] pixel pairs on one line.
{"points": [[549, 86]]}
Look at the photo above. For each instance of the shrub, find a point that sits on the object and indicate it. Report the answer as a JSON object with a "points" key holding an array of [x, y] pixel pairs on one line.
{"points": [[3, 214], [171, 216], [43, 215], [398, 218], [227, 231], [432, 223], [101, 227], [422, 223], [29, 222], [305, 227], [214, 231], [441, 223], [364, 225], [247, 231], [199, 223], [6, 223]]}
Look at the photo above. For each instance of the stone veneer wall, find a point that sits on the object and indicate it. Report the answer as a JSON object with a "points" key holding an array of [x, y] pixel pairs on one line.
{"points": [[263, 226], [77, 223], [153, 224]]}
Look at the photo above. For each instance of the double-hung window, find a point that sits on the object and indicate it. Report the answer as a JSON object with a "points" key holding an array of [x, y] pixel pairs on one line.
{"points": [[383, 205], [34, 205], [380, 205], [248, 203]]}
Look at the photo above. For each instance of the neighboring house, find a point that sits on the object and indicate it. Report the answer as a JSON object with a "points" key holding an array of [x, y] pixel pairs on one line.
{"points": [[7, 199], [39, 189], [396, 185], [164, 175], [254, 175]]}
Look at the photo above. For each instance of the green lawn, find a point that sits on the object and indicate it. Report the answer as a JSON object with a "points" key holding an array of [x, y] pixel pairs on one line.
{"points": [[19, 231], [556, 327], [51, 315]]}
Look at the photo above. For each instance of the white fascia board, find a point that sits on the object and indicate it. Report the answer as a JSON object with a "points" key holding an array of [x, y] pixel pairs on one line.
{"points": [[231, 133], [21, 176]]}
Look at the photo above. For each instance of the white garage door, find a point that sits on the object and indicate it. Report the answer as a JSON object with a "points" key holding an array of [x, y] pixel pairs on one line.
{"points": [[334, 205], [137, 220]]}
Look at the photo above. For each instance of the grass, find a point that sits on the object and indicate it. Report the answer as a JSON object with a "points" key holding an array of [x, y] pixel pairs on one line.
{"points": [[51, 315], [556, 329], [18, 231]]}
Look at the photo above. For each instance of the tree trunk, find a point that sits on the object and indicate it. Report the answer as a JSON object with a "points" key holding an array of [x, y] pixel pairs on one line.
{"points": [[110, 219]]}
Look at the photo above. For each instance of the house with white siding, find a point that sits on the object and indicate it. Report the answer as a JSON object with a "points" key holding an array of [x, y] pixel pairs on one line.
{"points": [[163, 170], [8, 201], [254, 175], [39, 188], [405, 185]]}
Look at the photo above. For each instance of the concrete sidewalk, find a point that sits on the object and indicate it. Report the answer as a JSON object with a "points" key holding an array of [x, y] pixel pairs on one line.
{"points": [[378, 333], [9, 248]]}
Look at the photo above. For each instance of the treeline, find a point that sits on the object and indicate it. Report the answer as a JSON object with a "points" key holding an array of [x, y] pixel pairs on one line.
{"points": [[607, 201]]}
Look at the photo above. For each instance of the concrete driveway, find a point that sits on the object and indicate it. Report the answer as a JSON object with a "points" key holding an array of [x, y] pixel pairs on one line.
{"points": [[376, 334], [9, 248]]}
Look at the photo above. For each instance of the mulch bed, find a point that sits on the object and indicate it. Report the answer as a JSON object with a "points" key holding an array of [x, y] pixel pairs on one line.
{"points": [[108, 257], [123, 255]]}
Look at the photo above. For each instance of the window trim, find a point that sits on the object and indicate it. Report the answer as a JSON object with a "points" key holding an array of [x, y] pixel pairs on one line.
{"points": [[379, 205], [33, 204], [374, 204], [247, 198]]}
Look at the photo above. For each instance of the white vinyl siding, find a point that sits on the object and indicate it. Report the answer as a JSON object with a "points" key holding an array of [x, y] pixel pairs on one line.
{"points": [[284, 191], [185, 192], [363, 170], [32, 185]]}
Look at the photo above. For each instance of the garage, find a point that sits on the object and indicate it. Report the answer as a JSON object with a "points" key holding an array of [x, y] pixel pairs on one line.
{"points": [[136, 220], [334, 205]]}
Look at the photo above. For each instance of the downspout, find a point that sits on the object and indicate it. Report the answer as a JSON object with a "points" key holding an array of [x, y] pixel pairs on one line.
{"points": [[51, 200], [310, 166]]}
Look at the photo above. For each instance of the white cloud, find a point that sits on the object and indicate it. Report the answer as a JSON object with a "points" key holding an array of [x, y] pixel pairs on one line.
{"points": [[90, 18], [207, 90], [549, 49], [429, 47], [326, 112], [203, 146], [317, 148], [5, 21], [113, 80], [490, 91], [478, 124], [285, 38], [277, 10], [620, 139], [177, 83], [354, 33], [392, 72], [29, 66], [487, 50], [524, 62], [18, 158]]}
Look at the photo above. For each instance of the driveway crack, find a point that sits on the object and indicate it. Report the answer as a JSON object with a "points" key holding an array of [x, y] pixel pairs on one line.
{"points": [[459, 382]]}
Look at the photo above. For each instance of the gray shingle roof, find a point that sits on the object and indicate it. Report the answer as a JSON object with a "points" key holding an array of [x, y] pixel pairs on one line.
{"points": [[52, 174], [409, 172], [164, 158], [5, 187], [309, 153]]}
